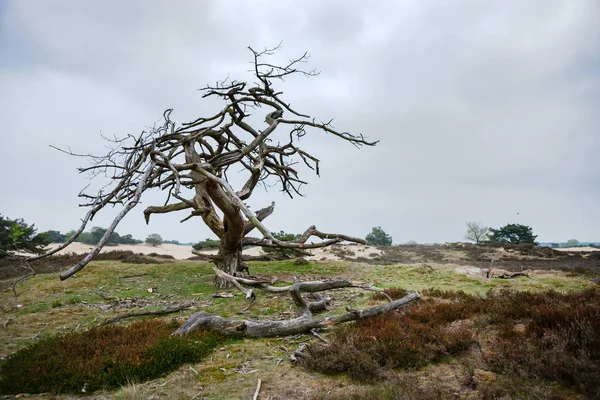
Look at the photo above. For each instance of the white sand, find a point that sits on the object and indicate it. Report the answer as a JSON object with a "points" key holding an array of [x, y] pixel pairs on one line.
{"points": [[573, 249], [179, 252], [184, 252]]}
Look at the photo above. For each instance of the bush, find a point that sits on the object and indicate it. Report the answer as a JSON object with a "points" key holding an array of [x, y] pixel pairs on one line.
{"points": [[282, 252], [407, 340], [395, 293], [207, 244], [12, 267], [560, 342], [102, 358], [550, 335]]}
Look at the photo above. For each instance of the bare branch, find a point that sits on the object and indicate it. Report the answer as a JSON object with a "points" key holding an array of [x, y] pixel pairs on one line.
{"points": [[81, 264]]}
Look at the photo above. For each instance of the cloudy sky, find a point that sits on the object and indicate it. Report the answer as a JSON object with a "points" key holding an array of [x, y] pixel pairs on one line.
{"points": [[486, 111]]}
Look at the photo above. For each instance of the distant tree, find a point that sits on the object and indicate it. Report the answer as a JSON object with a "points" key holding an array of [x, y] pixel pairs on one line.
{"points": [[128, 239], [572, 243], [554, 245], [476, 232], [412, 243], [16, 235], [56, 236], [85, 237], [207, 244], [284, 237], [97, 233], [378, 237], [512, 233], [154, 239], [172, 242]]}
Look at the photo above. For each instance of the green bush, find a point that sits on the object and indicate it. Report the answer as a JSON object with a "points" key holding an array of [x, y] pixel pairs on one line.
{"points": [[207, 244], [102, 358], [282, 252]]}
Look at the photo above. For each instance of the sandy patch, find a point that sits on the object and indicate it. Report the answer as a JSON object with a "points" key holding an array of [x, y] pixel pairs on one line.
{"points": [[577, 249], [179, 252], [185, 252], [331, 253]]}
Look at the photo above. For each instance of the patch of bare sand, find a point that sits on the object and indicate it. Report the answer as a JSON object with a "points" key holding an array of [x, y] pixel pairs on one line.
{"points": [[577, 249], [184, 252], [179, 252], [331, 253]]}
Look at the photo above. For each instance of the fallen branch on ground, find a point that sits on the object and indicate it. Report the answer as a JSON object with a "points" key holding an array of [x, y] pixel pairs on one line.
{"points": [[515, 275], [304, 324]]}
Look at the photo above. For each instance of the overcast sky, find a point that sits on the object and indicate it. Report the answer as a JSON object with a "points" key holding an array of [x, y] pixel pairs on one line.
{"points": [[486, 111]]}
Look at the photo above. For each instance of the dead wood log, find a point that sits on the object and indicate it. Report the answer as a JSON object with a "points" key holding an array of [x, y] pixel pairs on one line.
{"points": [[515, 275], [303, 324]]}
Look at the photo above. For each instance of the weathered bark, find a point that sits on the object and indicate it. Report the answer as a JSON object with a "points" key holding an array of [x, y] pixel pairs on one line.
{"points": [[303, 324]]}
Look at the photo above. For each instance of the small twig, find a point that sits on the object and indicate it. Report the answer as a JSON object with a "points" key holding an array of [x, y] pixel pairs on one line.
{"points": [[146, 313], [298, 353], [248, 306], [257, 390], [13, 286], [315, 334], [165, 383]]}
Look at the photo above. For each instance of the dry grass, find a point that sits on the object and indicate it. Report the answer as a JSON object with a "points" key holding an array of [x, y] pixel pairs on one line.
{"points": [[51, 306]]}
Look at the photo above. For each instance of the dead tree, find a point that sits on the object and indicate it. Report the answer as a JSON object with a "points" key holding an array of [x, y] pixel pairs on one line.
{"points": [[190, 165]]}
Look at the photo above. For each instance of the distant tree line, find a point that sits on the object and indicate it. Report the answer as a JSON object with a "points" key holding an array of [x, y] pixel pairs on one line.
{"points": [[17, 235], [510, 233]]}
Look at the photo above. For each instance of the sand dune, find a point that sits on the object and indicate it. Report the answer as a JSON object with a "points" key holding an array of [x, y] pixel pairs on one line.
{"points": [[184, 252], [572, 249]]}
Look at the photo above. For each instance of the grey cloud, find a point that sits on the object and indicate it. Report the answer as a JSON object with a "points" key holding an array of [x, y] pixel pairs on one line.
{"points": [[483, 109]]}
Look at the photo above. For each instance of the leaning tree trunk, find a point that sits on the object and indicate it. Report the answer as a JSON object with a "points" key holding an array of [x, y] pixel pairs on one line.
{"points": [[229, 260], [230, 248]]}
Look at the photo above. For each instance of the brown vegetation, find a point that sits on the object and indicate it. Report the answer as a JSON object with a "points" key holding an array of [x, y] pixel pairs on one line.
{"points": [[549, 336], [12, 267], [80, 362]]}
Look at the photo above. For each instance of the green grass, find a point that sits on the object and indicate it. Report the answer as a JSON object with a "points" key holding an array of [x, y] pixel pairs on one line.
{"points": [[51, 306]]}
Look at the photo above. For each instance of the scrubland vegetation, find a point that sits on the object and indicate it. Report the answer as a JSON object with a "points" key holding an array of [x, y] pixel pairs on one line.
{"points": [[468, 337]]}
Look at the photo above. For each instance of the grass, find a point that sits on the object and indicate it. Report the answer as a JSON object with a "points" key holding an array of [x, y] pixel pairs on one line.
{"points": [[51, 307]]}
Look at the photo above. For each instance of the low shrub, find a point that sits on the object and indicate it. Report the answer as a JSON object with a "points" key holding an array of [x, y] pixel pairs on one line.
{"points": [[407, 340], [102, 358], [560, 342], [395, 293], [12, 267], [537, 337]]}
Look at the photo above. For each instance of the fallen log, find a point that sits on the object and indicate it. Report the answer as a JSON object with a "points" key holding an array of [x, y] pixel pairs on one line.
{"points": [[515, 275], [304, 324]]}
